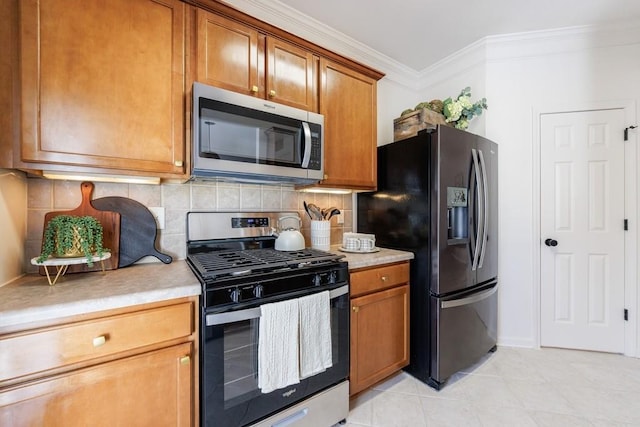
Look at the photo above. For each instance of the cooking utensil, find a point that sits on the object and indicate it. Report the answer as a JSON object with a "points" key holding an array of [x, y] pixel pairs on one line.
{"points": [[331, 212], [306, 208], [289, 239], [138, 230], [315, 211], [110, 222]]}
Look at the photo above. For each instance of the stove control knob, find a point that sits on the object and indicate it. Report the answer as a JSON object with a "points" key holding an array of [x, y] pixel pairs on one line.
{"points": [[317, 280], [332, 277], [235, 295], [258, 291]]}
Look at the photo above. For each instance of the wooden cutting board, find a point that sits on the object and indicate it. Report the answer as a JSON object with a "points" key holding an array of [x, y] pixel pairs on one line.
{"points": [[110, 222], [138, 230]]}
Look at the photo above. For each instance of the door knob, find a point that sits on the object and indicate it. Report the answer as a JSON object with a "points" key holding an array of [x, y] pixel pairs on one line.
{"points": [[551, 242]]}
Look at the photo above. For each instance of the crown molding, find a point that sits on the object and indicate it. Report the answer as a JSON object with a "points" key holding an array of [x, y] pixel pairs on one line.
{"points": [[285, 17], [487, 49]]}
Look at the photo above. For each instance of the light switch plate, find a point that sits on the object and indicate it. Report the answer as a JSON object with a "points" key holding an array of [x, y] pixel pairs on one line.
{"points": [[158, 214]]}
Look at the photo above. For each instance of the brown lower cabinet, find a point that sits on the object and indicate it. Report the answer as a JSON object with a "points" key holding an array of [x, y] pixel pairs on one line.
{"points": [[379, 324], [123, 368]]}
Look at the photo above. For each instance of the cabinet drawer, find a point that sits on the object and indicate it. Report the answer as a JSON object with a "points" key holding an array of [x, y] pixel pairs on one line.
{"points": [[375, 279], [44, 349]]}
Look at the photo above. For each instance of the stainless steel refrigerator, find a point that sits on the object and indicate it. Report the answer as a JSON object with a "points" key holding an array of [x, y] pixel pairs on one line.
{"points": [[438, 198]]}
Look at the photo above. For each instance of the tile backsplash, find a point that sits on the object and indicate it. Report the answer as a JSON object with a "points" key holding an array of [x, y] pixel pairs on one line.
{"points": [[177, 199]]}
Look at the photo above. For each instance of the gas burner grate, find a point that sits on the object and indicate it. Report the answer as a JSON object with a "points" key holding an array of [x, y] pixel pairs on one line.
{"points": [[217, 264]]}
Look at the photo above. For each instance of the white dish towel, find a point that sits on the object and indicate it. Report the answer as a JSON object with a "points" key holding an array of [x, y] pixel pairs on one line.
{"points": [[315, 334], [278, 345]]}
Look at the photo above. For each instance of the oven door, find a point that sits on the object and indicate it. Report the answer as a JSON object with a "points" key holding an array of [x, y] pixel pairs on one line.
{"points": [[229, 365]]}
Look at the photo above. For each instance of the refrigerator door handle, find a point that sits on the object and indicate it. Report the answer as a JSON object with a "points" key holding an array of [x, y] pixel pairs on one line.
{"points": [[480, 209], [485, 197], [469, 300]]}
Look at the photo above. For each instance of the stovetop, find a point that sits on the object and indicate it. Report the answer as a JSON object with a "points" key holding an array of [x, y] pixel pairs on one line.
{"points": [[233, 256], [250, 262]]}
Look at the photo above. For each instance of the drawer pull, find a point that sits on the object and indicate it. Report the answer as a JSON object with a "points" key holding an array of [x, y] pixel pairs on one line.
{"points": [[184, 360], [355, 309], [254, 89], [272, 93], [98, 341], [383, 278]]}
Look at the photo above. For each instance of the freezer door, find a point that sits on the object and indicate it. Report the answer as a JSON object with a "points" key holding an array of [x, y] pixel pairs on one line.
{"points": [[488, 260], [463, 330], [453, 204]]}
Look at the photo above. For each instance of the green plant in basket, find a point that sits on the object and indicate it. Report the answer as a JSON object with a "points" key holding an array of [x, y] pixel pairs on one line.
{"points": [[71, 236]]}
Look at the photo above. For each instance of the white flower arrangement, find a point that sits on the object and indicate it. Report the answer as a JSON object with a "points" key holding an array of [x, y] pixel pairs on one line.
{"points": [[461, 110]]}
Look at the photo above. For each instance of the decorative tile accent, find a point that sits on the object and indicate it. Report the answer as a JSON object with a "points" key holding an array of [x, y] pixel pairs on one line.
{"points": [[177, 199]]}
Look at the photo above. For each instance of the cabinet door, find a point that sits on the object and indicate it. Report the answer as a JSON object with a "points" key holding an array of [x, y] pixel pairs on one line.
{"points": [[379, 336], [348, 103], [229, 54], [103, 84], [292, 75], [153, 389]]}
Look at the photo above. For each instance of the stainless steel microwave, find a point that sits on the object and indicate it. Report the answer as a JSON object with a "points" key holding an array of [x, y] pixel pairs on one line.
{"points": [[241, 138]]}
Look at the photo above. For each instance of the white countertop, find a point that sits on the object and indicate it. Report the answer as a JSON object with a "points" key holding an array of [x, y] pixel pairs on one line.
{"points": [[31, 298], [364, 260]]}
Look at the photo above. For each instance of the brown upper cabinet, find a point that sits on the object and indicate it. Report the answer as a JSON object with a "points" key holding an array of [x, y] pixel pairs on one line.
{"points": [[348, 103], [238, 57], [102, 86]]}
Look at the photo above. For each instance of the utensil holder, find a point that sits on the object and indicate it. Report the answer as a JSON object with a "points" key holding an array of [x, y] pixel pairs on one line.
{"points": [[320, 235]]}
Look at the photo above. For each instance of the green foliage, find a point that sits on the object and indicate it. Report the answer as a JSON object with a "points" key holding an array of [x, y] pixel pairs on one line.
{"points": [[461, 110], [58, 236]]}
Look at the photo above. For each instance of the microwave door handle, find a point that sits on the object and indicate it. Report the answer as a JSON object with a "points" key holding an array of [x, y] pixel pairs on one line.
{"points": [[306, 132]]}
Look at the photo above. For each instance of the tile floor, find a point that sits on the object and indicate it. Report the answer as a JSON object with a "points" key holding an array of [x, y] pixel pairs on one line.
{"points": [[513, 387]]}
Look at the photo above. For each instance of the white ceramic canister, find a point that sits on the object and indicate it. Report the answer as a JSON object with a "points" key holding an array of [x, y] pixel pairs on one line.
{"points": [[320, 235]]}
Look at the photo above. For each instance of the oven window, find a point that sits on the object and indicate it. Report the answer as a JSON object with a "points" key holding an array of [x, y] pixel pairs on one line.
{"points": [[240, 360]]}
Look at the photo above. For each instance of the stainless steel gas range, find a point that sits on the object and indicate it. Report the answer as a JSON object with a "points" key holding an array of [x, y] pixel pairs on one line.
{"points": [[243, 277]]}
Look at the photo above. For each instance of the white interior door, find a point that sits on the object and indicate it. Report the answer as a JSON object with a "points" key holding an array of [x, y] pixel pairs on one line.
{"points": [[582, 210]]}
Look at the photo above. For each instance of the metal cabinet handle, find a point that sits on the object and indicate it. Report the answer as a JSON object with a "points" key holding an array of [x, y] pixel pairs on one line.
{"points": [[355, 309], [178, 163], [254, 89], [184, 360], [98, 341], [272, 93], [383, 278]]}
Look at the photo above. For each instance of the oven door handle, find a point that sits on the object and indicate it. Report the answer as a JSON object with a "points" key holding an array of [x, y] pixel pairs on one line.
{"points": [[254, 313]]}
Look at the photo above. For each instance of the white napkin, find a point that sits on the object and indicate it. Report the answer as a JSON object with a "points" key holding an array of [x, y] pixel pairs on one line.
{"points": [[278, 345], [315, 334]]}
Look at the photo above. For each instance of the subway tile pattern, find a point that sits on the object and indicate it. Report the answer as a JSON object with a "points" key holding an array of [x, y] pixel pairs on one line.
{"points": [[512, 387], [178, 199]]}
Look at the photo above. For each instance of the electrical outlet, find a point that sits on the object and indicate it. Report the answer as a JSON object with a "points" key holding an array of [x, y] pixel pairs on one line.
{"points": [[158, 214], [340, 218]]}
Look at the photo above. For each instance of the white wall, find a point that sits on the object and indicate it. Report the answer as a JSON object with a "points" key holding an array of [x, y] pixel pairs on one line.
{"points": [[578, 70], [13, 224], [393, 99]]}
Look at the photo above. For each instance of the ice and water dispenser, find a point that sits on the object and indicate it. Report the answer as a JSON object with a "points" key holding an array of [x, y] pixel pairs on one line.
{"points": [[458, 213]]}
